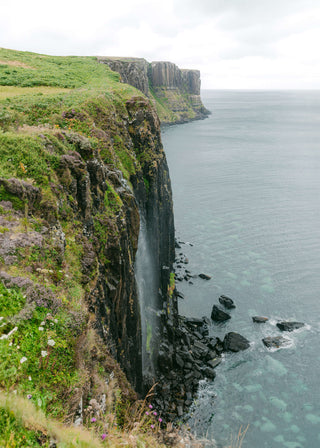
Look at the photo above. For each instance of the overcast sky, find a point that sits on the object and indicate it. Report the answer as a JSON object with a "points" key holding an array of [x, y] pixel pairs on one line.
{"points": [[258, 44]]}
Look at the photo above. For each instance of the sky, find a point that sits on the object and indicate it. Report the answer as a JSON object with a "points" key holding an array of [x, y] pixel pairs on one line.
{"points": [[236, 44]]}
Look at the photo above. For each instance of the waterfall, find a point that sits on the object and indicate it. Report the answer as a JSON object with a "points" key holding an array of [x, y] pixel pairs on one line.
{"points": [[148, 286]]}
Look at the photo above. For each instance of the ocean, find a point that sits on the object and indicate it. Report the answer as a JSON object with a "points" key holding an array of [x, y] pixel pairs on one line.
{"points": [[246, 190]]}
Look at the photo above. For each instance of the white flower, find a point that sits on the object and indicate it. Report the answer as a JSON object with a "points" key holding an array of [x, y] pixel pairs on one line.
{"points": [[43, 353], [30, 378], [42, 323], [51, 323], [56, 321], [40, 328], [18, 346], [10, 344], [23, 359], [51, 342]]}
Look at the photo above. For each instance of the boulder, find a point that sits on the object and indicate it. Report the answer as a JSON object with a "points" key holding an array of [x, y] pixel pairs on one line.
{"points": [[259, 319], [226, 302], [289, 326], [209, 372], [214, 362], [274, 341], [218, 315], [204, 276], [234, 342]]}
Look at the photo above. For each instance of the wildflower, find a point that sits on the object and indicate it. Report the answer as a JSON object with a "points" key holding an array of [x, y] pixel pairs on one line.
{"points": [[29, 396], [150, 406], [51, 342], [41, 328], [23, 359], [42, 323], [103, 436], [30, 378], [43, 353], [10, 344], [152, 426], [147, 413], [160, 420], [18, 346], [155, 413], [93, 420], [56, 321]]}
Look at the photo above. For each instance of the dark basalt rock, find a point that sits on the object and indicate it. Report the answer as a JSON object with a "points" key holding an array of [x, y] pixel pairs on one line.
{"points": [[218, 315], [259, 319], [205, 276], [234, 342], [226, 302], [274, 341], [289, 326], [214, 362]]}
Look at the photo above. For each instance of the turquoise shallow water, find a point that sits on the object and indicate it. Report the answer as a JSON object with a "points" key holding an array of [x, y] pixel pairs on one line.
{"points": [[246, 188]]}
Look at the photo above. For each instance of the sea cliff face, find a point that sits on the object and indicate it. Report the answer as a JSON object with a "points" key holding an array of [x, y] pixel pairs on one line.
{"points": [[78, 169], [174, 91], [82, 167]]}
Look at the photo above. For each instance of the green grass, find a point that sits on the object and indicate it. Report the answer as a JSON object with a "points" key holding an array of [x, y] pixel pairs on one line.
{"points": [[28, 362], [11, 91]]}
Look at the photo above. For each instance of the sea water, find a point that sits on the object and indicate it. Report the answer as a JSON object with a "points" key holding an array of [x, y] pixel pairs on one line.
{"points": [[246, 189]]}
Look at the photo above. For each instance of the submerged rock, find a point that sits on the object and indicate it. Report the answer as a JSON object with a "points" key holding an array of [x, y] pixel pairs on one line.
{"points": [[227, 302], [205, 276], [218, 315], [274, 341], [289, 326], [259, 319], [234, 342]]}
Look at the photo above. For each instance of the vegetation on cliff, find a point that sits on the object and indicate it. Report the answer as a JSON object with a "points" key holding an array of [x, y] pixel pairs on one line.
{"points": [[74, 143]]}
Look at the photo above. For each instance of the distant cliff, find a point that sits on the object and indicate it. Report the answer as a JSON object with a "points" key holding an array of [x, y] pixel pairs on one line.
{"points": [[175, 92]]}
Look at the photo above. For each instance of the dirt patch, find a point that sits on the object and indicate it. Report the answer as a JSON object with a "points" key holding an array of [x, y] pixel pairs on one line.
{"points": [[16, 64]]}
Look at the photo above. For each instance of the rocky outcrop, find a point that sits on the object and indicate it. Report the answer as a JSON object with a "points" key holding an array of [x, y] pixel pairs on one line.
{"points": [[178, 89], [175, 91], [133, 71]]}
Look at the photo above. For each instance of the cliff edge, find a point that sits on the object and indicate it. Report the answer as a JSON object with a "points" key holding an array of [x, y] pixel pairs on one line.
{"points": [[175, 92]]}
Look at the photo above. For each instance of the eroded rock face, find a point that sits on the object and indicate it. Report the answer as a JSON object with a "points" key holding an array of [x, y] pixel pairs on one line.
{"points": [[180, 88], [133, 71]]}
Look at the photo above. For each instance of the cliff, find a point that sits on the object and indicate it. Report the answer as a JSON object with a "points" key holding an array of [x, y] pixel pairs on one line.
{"points": [[85, 197], [175, 92], [81, 161]]}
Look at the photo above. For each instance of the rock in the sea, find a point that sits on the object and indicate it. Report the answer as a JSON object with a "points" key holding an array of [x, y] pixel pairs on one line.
{"points": [[234, 342], [289, 326], [259, 319], [218, 315], [178, 294], [274, 341], [226, 302], [204, 276]]}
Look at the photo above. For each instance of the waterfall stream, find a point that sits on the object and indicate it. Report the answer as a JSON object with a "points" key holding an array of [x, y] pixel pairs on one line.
{"points": [[147, 283]]}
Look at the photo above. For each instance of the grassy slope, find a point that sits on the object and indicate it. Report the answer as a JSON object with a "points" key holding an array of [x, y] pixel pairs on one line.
{"points": [[50, 106]]}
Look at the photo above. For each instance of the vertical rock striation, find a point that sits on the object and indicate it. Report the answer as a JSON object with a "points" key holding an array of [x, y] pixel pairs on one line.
{"points": [[175, 91]]}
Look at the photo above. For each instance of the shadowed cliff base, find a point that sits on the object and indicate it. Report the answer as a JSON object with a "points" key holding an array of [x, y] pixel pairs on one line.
{"points": [[175, 92]]}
